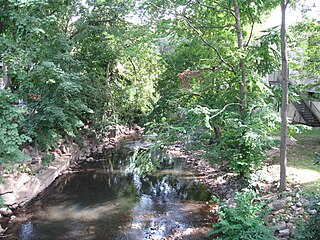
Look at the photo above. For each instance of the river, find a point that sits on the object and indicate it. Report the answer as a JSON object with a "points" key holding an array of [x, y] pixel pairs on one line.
{"points": [[102, 200]]}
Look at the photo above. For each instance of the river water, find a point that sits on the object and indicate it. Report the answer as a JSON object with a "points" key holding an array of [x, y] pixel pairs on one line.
{"points": [[102, 200]]}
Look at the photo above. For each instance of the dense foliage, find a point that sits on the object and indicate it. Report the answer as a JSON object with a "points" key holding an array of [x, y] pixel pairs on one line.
{"points": [[244, 221], [11, 118], [199, 89], [310, 229], [74, 67], [191, 70]]}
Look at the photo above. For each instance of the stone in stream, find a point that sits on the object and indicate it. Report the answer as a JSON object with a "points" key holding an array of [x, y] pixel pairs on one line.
{"points": [[6, 211]]}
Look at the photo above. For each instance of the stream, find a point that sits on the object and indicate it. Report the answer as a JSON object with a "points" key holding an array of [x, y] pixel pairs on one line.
{"points": [[102, 200]]}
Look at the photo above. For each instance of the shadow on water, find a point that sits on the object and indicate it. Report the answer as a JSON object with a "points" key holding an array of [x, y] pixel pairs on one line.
{"points": [[103, 201]]}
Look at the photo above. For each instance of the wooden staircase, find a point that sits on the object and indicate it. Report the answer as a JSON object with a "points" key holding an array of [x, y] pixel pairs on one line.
{"points": [[307, 114]]}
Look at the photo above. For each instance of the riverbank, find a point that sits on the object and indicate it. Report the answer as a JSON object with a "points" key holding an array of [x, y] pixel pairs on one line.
{"points": [[287, 208], [25, 181]]}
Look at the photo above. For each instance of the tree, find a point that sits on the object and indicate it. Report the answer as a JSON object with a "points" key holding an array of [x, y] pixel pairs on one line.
{"points": [[284, 104], [213, 66], [75, 64]]}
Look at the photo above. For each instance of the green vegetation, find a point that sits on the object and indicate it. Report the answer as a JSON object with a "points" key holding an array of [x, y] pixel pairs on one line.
{"points": [[71, 69], [243, 221], [46, 159], [1, 202], [189, 71], [310, 229], [11, 118], [302, 155]]}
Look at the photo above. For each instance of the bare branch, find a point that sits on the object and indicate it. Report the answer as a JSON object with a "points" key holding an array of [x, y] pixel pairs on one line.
{"points": [[133, 66], [287, 3], [222, 110], [252, 25]]}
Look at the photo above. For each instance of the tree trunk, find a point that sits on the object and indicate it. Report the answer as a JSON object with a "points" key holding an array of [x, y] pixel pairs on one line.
{"points": [[6, 76], [243, 83], [284, 105], [217, 133]]}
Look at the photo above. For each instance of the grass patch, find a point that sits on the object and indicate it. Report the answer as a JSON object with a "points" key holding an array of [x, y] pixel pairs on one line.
{"points": [[302, 156]]}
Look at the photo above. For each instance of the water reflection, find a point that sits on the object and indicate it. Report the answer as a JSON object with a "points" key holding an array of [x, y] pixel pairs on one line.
{"points": [[102, 201]]}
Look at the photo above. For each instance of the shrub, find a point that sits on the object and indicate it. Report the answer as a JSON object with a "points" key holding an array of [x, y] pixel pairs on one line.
{"points": [[310, 229], [11, 138], [244, 221], [46, 159]]}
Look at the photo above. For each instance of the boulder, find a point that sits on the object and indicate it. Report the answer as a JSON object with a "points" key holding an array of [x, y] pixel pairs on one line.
{"points": [[6, 211], [9, 199]]}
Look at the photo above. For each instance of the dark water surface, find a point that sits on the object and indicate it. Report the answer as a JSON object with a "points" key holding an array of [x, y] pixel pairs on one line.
{"points": [[104, 201]]}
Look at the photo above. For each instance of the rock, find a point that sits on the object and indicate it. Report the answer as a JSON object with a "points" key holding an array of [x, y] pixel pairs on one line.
{"points": [[56, 156], [91, 230], [90, 159], [289, 199], [312, 211], [26, 151], [63, 149], [6, 211], [9, 199], [36, 160], [295, 208], [94, 149], [299, 204], [277, 205], [7, 185], [284, 232], [23, 179], [281, 211], [281, 226], [100, 148], [2, 230]]}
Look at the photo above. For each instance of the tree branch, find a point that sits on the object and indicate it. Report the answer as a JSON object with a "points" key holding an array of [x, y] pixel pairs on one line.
{"points": [[207, 43], [216, 9], [208, 27], [252, 25], [222, 110]]}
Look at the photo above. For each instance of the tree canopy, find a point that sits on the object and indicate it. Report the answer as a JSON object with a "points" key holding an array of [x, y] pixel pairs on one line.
{"points": [[189, 70]]}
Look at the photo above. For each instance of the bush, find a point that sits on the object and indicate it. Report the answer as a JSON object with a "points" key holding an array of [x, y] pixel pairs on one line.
{"points": [[310, 230], [11, 138], [243, 222]]}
